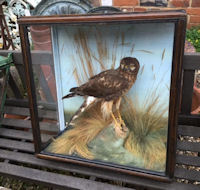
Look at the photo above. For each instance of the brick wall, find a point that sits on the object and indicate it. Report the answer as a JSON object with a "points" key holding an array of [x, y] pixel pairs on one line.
{"points": [[192, 7]]}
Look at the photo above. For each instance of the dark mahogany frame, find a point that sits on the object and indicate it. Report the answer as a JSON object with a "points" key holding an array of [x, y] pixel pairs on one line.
{"points": [[176, 17]]}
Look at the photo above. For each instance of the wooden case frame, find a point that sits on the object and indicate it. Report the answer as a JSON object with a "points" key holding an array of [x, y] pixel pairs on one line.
{"points": [[176, 17]]}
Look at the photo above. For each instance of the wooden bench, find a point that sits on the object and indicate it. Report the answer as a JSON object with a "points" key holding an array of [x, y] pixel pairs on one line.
{"points": [[17, 158]]}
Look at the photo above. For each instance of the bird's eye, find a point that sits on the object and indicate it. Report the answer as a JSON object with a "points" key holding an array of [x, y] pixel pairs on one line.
{"points": [[132, 68]]}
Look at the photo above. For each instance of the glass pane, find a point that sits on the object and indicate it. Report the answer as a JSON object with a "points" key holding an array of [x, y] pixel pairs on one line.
{"points": [[44, 78], [118, 117]]}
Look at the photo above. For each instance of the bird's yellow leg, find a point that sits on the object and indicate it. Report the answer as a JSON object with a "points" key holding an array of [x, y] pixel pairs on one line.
{"points": [[118, 113], [115, 120], [121, 130], [121, 121], [119, 116]]}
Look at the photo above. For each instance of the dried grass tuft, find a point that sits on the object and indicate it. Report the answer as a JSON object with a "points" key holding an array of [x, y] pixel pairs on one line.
{"points": [[148, 131], [146, 139], [85, 129]]}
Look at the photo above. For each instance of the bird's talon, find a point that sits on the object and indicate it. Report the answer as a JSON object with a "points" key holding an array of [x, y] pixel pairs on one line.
{"points": [[121, 130]]}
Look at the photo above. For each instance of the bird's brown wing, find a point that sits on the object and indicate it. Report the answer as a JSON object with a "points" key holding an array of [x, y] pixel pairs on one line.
{"points": [[104, 85], [102, 74]]}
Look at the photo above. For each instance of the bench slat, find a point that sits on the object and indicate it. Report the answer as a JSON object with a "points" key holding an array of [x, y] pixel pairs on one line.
{"points": [[16, 134], [188, 160], [17, 145], [26, 124], [187, 174], [24, 103], [186, 130], [16, 111], [189, 146], [25, 112], [189, 120], [31, 159], [53, 179]]}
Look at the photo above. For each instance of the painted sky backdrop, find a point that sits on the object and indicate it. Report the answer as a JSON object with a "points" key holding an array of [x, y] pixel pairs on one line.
{"points": [[88, 49]]}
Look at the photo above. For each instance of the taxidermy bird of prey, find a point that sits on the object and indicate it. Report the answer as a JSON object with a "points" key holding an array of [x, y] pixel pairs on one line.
{"points": [[109, 86]]}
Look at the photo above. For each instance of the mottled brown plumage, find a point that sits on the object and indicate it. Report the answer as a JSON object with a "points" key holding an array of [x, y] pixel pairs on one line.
{"points": [[110, 86]]}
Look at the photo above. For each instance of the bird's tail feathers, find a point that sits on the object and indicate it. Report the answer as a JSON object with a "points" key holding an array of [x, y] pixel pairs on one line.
{"points": [[69, 95], [73, 89]]}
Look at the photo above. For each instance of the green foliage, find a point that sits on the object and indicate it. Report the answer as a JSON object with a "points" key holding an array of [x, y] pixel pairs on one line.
{"points": [[193, 36]]}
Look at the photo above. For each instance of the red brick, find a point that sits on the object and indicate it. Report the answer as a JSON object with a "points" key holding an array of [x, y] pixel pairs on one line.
{"points": [[195, 19], [179, 3], [125, 2], [192, 24], [195, 3], [139, 9], [193, 11]]}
